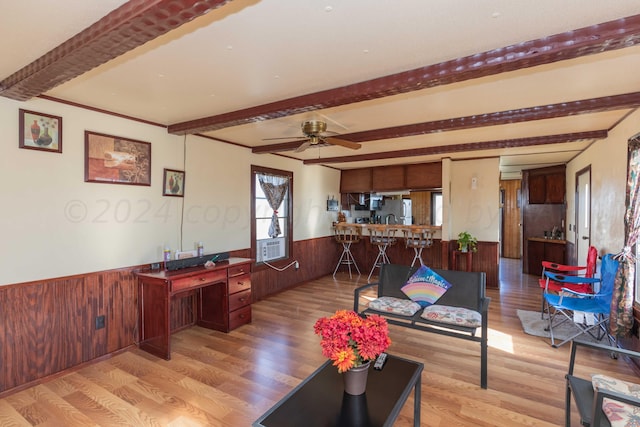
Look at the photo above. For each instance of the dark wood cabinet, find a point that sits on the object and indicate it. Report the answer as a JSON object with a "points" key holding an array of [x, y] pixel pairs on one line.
{"points": [[423, 176], [388, 178], [356, 181], [546, 186], [540, 250], [223, 300]]}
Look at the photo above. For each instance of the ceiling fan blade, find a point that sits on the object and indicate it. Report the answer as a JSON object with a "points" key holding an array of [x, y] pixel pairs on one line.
{"points": [[302, 147], [342, 143], [284, 137]]}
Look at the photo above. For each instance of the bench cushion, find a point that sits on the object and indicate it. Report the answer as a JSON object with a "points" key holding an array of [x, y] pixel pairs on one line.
{"points": [[452, 315], [619, 414], [401, 306]]}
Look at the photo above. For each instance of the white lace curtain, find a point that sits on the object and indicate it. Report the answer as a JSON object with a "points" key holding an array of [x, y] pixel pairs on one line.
{"points": [[275, 190]]}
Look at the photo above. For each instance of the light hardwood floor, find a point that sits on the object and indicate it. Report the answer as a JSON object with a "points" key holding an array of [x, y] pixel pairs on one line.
{"points": [[217, 379]]}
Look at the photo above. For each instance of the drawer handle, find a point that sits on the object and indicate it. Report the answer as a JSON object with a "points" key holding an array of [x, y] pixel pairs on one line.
{"points": [[240, 283], [202, 279], [242, 316], [242, 299]]}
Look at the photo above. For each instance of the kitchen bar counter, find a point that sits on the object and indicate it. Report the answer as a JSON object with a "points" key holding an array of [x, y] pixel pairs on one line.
{"points": [[542, 239]]}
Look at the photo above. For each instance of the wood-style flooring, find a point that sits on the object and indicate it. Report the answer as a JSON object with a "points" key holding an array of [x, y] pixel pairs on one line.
{"points": [[218, 379]]}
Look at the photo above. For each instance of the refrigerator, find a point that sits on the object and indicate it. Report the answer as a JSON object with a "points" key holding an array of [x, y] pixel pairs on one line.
{"points": [[406, 212]]}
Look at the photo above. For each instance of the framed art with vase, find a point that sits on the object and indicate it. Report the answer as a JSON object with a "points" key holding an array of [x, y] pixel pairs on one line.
{"points": [[116, 160], [40, 131], [173, 183]]}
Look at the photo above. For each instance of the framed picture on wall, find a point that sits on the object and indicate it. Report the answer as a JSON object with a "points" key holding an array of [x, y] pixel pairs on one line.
{"points": [[173, 183], [40, 131], [116, 160]]}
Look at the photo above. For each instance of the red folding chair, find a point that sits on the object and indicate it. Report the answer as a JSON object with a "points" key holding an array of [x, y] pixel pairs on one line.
{"points": [[587, 270]]}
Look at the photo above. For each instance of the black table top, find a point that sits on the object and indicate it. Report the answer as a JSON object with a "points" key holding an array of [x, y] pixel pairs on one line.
{"points": [[320, 399]]}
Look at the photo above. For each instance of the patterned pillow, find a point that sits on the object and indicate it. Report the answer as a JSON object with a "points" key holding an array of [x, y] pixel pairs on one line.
{"points": [[425, 286], [619, 414], [401, 306], [452, 315]]}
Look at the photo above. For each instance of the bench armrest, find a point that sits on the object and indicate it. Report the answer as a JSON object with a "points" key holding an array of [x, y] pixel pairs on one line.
{"points": [[356, 295]]}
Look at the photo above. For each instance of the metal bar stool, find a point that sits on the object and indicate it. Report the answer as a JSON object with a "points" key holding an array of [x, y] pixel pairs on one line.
{"points": [[381, 236], [346, 235], [418, 238]]}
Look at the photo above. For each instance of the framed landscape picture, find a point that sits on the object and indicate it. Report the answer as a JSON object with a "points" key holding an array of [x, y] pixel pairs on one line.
{"points": [[116, 160], [40, 131], [173, 183]]}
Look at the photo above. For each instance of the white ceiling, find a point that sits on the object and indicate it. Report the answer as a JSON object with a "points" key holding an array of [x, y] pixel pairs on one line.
{"points": [[248, 53]]}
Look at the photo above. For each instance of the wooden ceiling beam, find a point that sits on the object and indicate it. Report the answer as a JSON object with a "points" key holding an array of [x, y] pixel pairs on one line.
{"points": [[612, 35], [125, 28], [459, 148], [551, 111]]}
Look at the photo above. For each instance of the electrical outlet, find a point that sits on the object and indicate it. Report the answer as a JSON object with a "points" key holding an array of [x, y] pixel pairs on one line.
{"points": [[297, 265], [100, 322], [155, 266]]}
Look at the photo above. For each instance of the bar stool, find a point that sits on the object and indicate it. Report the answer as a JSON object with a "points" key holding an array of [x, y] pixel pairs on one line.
{"points": [[346, 235], [417, 238], [381, 236]]}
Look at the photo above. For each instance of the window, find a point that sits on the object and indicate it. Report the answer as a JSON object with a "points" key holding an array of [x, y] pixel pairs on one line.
{"points": [[271, 225], [436, 208]]}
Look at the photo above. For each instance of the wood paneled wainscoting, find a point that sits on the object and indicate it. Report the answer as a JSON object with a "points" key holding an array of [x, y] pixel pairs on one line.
{"points": [[49, 326]]}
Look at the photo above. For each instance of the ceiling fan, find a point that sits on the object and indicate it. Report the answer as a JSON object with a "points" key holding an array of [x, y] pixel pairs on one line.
{"points": [[315, 133]]}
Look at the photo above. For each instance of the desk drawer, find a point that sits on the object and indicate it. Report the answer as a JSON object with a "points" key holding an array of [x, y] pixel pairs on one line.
{"points": [[198, 280], [239, 283], [240, 317], [239, 299], [239, 270]]}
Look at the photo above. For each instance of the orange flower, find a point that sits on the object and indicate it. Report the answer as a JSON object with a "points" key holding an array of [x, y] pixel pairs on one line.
{"points": [[350, 340]]}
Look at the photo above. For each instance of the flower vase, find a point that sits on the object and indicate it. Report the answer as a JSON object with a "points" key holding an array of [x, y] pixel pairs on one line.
{"points": [[35, 131], [355, 379]]}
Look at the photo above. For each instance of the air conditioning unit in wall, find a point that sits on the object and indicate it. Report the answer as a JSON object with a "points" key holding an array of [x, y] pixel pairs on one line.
{"points": [[270, 249]]}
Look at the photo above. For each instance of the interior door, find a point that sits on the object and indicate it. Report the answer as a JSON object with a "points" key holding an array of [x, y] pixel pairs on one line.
{"points": [[583, 214]]}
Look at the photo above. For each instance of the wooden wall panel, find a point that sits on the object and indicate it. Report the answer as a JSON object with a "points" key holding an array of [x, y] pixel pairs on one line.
{"points": [[49, 326], [317, 258]]}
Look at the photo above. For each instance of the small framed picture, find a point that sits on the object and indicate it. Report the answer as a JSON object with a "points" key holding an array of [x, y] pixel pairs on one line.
{"points": [[116, 160], [40, 131], [173, 183]]}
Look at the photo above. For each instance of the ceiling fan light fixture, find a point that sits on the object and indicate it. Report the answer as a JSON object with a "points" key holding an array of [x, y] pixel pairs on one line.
{"points": [[313, 127]]}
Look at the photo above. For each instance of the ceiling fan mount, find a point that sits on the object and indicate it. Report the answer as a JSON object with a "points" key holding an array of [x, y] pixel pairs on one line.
{"points": [[315, 133]]}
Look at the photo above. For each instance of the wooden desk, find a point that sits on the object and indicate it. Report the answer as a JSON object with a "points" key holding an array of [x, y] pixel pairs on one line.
{"points": [[223, 295], [469, 259]]}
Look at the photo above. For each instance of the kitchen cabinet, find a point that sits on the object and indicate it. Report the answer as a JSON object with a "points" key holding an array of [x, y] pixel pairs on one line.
{"points": [[356, 180], [540, 249], [423, 176], [388, 178], [546, 185]]}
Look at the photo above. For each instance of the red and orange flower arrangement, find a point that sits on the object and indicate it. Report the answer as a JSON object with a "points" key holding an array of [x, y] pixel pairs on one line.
{"points": [[350, 340]]}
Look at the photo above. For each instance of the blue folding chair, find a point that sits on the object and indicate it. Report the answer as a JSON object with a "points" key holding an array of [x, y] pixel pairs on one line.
{"points": [[567, 302]]}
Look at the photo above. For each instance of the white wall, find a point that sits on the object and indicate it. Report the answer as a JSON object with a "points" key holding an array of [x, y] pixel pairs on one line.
{"points": [[475, 210], [54, 224], [608, 161]]}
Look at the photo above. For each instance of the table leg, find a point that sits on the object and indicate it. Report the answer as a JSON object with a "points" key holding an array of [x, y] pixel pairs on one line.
{"points": [[416, 402]]}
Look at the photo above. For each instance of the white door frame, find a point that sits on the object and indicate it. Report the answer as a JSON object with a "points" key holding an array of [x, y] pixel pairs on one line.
{"points": [[583, 214]]}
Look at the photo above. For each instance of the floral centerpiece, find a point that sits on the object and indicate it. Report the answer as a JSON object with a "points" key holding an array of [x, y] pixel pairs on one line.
{"points": [[351, 340]]}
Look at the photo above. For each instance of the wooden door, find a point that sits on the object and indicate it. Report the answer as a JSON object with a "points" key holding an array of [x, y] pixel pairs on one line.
{"points": [[511, 239]]}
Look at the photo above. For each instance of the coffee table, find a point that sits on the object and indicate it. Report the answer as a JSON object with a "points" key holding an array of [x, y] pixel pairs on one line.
{"points": [[320, 399]]}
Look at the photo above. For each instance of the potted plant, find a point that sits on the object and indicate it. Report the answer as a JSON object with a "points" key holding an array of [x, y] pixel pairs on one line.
{"points": [[466, 242]]}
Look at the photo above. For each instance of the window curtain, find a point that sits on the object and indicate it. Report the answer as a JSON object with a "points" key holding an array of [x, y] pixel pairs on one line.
{"points": [[621, 316], [275, 189]]}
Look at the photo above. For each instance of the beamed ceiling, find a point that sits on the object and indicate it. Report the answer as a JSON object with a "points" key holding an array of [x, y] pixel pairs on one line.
{"points": [[533, 83]]}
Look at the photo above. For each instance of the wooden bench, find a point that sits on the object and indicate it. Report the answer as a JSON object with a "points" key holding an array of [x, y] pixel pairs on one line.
{"points": [[467, 292]]}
